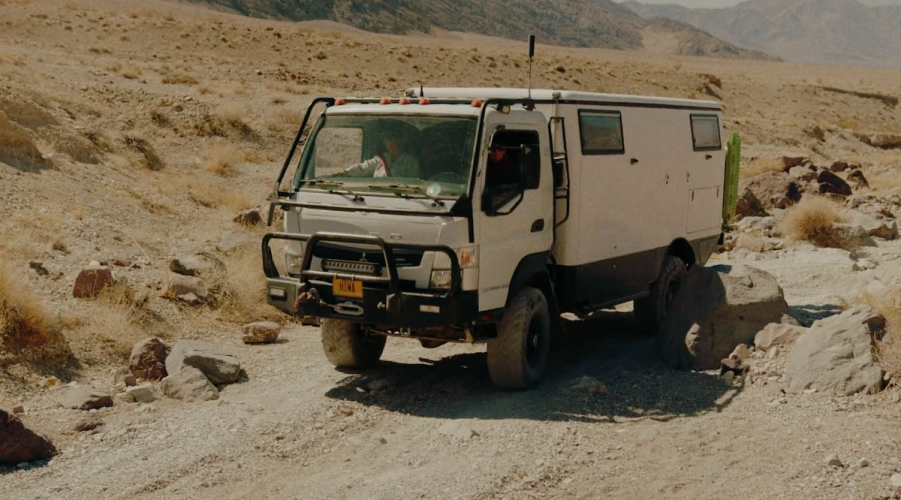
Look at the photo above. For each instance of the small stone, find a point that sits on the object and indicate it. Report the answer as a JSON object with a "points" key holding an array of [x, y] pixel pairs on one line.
{"points": [[833, 461], [145, 393], [50, 382], [262, 332], [38, 268], [741, 352], [121, 263], [124, 376], [383, 440], [91, 281], [730, 375], [861, 463], [863, 265], [345, 409], [18, 410], [88, 423], [82, 399], [895, 480]]}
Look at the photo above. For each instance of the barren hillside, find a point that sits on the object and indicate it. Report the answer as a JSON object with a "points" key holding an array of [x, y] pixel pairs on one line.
{"points": [[812, 31]]}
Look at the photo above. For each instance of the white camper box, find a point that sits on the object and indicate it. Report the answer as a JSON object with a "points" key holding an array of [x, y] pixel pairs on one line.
{"points": [[617, 197]]}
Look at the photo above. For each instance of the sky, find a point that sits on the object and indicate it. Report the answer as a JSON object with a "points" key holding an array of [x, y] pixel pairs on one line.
{"points": [[729, 3]]}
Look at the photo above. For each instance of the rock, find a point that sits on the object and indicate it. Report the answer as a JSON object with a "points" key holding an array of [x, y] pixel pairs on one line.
{"points": [[91, 281], [144, 393], [50, 382], [852, 235], [379, 384], [802, 173], [832, 184], [124, 376], [749, 242], [838, 166], [836, 355], [777, 334], [187, 289], [861, 463], [758, 224], [345, 409], [895, 480], [458, 430], [220, 366], [859, 179], [83, 399], [263, 332], [749, 206], [586, 385], [774, 189], [863, 265], [18, 409], [729, 375], [196, 265], [741, 352], [123, 398], [232, 240], [715, 309], [788, 319], [250, 217], [121, 263], [189, 385], [872, 226], [885, 141], [833, 461], [38, 268], [733, 365], [148, 359], [19, 444], [88, 423], [790, 162]]}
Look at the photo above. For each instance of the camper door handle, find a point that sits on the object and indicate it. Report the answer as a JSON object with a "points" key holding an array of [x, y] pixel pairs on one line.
{"points": [[538, 226], [633, 161]]}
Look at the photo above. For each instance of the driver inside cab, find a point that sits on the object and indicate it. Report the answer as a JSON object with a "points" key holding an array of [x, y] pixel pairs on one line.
{"points": [[396, 161]]}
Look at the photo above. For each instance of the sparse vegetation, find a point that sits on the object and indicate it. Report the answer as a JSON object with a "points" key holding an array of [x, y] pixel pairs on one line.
{"points": [[113, 320], [242, 290], [27, 330], [888, 350], [18, 149], [813, 219], [180, 79], [223, 159]]}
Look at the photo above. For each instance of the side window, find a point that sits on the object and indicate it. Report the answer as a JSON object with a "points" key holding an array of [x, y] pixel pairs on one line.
{"points": [[601, 132], [705, 132], [514, 166]]}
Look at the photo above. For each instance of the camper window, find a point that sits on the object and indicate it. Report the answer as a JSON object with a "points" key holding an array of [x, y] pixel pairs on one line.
{"points": [[601, 132], [705, 132]]}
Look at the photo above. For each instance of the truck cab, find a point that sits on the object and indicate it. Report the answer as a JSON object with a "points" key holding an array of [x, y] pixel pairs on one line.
{"points": [[451, 216]]}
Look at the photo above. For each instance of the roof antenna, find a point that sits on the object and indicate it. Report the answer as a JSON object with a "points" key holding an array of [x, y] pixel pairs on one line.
{"points": [[531, 55], [421, 91]]}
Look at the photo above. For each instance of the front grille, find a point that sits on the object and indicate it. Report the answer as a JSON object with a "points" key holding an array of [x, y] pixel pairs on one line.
{"points": [[343, 266]]}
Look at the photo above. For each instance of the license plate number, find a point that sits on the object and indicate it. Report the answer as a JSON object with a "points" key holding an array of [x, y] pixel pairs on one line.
{"points": [[348, 288]]}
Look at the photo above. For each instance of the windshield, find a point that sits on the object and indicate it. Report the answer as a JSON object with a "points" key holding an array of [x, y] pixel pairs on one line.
{"points": [[405, 155]]}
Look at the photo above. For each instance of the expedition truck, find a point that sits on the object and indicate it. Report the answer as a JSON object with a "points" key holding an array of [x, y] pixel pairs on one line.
{"points": [[480, 215]]}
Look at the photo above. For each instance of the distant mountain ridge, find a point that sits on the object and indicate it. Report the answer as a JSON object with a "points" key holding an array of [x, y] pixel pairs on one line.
{"points": [[574, 23], [813, 31]]}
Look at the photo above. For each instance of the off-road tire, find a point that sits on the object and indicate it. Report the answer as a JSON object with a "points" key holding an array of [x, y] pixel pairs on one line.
{"points": [[346, 345], [650, 311], [517, 358]]}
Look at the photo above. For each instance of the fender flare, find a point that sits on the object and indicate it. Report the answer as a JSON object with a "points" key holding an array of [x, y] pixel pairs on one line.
{"points": [[532, 271]]}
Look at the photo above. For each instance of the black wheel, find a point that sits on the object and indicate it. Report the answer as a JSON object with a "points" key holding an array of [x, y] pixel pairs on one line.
{"points": [[517, 358], [347, 345], [650, 311]]}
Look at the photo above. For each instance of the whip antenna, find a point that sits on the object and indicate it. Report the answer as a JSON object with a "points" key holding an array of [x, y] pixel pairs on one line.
{"points": [[531, 55]]}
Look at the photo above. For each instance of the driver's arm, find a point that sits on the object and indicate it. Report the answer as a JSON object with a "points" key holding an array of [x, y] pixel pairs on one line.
{"points": [[363, 169]]}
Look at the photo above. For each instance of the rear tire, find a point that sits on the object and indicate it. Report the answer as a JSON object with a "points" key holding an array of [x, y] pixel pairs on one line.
{"points": [[517, 358], [651, 311], [346, 345]]}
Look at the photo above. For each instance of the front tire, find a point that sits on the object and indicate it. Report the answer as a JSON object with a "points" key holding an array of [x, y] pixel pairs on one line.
{"points": [[517, 358], [346, 344], [650, 311]]}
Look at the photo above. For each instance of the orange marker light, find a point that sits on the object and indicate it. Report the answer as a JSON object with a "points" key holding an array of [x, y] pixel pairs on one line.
{"points": [[339, 102], [385, 100], [477, 103], [425, 102], [404, 100]]}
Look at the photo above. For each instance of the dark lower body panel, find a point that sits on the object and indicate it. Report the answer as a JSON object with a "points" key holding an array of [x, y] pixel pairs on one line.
{"points": [[613, 281]]}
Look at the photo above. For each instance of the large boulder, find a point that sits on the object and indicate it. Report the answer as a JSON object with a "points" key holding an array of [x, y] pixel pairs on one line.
{"points": [[91, 281], [219, 365], [19, 444], [187, 289], [190, 385], [716, 309], [872, 226], [748, 205], [836, 355], [196, 264], [777, 334], [148, 359], [830, 183], [261, 332], [774, 189]]}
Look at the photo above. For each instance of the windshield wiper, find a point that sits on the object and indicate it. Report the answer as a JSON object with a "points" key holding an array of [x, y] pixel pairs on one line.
{"points": [[355, 197], [321, 180], [410, 187]]}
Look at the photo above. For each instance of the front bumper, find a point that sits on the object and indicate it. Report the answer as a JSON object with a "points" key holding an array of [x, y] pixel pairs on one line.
{"points": [[384, 304]]}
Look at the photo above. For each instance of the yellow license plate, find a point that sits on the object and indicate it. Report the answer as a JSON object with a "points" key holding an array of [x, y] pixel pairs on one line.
{"points": [[348, 288]]}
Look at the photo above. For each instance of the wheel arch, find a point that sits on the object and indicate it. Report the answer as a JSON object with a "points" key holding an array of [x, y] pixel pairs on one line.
{"points": [[681, 248], [532, 272]]}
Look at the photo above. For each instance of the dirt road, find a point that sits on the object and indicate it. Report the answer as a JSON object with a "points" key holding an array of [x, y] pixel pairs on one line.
{"points": [[296, 428]]}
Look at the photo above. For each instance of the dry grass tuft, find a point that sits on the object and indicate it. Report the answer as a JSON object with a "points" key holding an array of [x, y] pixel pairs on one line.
{"points": [[180, 79], [888, 350], [223, 159], [813, 219], [114, 320], [761, 165], [27, 330], [232, 113], [217, 197], [17, 149], [242, 290]]}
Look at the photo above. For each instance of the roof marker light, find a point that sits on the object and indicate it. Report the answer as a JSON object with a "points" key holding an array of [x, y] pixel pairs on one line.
{"points": [[340, 102], [477, 103], [385, 100], [425, 102], [404, 100]]}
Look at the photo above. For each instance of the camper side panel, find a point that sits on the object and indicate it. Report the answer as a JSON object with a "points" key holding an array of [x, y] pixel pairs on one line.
{"points": [[633, 196]]}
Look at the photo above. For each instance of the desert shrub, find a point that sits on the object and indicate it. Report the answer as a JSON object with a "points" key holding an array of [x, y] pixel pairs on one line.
{"points": [[223, 159], [180, 79], [242, 289], [17, 149], [114, 320], [27, 330], [813, 219], [888, 350]]}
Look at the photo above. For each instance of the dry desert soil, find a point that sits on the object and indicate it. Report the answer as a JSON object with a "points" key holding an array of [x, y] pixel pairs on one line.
{"points": [[149, 125]]}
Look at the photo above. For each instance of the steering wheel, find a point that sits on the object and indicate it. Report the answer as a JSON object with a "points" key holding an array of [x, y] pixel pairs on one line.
{"points": [[448, 176]]}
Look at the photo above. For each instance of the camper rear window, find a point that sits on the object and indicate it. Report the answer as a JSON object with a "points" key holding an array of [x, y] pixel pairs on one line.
{"points": [[601, 132], [705, 132]]}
